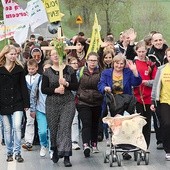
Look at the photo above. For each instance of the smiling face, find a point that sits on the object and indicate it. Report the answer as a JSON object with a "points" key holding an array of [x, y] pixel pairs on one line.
{"points": [[108, 58], [168, 55], [32, 69], [11, 56], [37, 56], [157, 40], [119, 65]]}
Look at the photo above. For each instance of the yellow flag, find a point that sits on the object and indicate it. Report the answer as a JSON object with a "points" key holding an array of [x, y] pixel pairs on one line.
{"points": [[95, 40], [53, 10]]}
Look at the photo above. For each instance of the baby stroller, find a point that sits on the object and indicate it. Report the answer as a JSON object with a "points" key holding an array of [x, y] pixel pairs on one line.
{"points": [[125, 133]]}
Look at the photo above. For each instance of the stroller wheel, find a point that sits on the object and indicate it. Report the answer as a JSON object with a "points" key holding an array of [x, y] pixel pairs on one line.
{"points": [[111, 160], [118, 160], [105, 157], [135, 155], [114, 156], [138, 158], [146, 158]]}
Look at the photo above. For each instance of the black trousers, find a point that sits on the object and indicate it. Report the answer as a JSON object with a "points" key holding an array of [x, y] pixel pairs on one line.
{"points": [[147, 114], [165, 118], [157, 128], [89, 117]]}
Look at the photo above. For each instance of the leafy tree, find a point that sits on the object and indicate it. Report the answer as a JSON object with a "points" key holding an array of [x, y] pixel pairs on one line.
{"points": [[1, 11]]}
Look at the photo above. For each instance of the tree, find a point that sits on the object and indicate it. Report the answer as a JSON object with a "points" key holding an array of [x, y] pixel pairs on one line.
{"points": [[1, 11]]}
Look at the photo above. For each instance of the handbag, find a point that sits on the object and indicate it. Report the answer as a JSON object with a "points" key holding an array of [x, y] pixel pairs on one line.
{"points": [[119, 103]]}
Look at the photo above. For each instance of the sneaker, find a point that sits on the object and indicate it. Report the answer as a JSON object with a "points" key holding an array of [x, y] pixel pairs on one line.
{"points": [[95, 150], [27, 146], [9, 158], [86, 151], [55, 156], [75, 146], [160, 146], [18, 158], [126, 156], [107, 143], [51, 154], [167, 156], [43, 151]]}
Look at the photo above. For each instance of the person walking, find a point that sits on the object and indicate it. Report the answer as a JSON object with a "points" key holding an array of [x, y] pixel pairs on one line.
{"points": [[14, 99], [119, 81], [89, 103], [161, 92], [147, 70], [60, 107]]}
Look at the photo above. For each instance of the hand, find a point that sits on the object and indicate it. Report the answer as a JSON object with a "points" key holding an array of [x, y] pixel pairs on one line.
{"points": [[132, 34], [59, 90], [145, 82], [104, 44], [26, 109], [107, 89], [132, 67], [32, 114], [152, 107], [62, 81]]}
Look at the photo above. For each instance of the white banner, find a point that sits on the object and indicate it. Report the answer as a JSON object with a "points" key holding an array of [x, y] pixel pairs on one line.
{"points": [[21, 34], [13, 14], [37, 13]]}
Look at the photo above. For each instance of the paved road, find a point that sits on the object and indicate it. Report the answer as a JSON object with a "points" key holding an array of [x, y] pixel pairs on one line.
{"points": [[95, 162]]}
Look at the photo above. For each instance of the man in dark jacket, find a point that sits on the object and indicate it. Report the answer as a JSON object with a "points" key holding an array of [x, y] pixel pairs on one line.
{"points": [[157, 55]]}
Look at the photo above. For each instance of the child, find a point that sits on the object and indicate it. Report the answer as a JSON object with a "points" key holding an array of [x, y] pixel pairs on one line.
{"points": [[14, 99], [73, 62], [32, 67], [37, 108]]}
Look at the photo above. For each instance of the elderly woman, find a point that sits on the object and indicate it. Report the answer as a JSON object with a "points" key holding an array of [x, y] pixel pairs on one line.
{"points": [[119, 81]]}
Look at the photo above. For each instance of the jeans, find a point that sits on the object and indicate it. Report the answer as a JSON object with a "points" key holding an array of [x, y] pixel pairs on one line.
{"points": [[75, 128], [1, 127], [29, 129], [42, 128], [12, 132]]}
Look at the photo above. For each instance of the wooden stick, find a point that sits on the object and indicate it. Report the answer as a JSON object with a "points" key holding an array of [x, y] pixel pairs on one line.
{"points": [[52, 48]]}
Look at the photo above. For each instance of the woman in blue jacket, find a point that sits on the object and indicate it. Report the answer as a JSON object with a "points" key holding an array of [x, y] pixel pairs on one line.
{"points": [[120, 80]]}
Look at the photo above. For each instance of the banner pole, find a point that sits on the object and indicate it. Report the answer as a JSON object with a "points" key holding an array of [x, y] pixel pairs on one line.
{"points": [[79, 27]]}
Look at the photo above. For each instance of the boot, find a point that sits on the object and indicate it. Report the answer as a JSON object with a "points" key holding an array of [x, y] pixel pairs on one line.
{"points": [[67, 162], [55, 156]]}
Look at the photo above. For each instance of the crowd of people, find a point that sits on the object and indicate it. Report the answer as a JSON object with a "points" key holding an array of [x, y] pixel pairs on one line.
{"points": [[40, 105]]}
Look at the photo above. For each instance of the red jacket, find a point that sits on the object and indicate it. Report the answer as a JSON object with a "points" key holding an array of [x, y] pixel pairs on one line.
{"points": [[143, 92]]}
